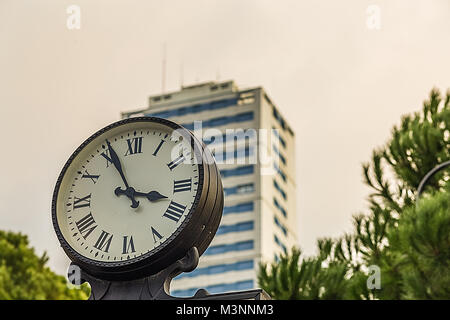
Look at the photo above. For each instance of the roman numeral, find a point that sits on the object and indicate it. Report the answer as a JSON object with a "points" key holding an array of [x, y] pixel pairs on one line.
{"points": [[182, 185], [86, 175], [176, 162], [134, 146], [82, 202], [86, 225], [158, 147], [128, 244], [155, 235], [174, 211], [105, 154], [104, 241]]}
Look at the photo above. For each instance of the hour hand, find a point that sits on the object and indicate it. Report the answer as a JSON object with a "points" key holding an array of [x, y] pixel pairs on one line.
{"points": [[151, 196]]}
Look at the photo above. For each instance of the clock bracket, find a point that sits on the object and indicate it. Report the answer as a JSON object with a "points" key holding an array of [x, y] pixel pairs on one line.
{"points": [[153, 287]]}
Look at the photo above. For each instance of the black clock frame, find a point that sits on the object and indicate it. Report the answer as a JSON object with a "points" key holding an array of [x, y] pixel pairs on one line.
{"points": [[196, 230]]}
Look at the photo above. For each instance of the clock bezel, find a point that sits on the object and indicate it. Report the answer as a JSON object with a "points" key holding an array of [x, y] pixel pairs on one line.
{"points": [[176, 245]]}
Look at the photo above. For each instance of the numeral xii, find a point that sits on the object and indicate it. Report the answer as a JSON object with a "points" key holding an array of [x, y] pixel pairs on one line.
{"points": [[134, 146]]}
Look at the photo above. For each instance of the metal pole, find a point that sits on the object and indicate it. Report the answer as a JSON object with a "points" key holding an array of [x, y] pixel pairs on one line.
{"points": [[428, 176]]}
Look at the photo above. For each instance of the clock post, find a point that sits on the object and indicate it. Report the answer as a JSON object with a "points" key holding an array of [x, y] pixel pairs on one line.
{"points": [[128, 242]]}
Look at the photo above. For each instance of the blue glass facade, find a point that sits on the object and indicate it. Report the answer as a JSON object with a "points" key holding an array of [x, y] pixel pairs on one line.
{"points": [[224, 248], [218, 288], [200, 107], [279, 243], [218, 269], [238, 227], [279, 118], [279, 137], [222, 121], [238, 171], [280, 172], [234, 154], [278, 153], [228, 137], [279, 207], [239, 189], [279, 189], [280, 225], [239, 208]]}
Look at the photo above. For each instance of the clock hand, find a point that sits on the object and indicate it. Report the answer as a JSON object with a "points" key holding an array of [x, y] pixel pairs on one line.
{"points": [[151, 196], [116, 162], [130, 193]]}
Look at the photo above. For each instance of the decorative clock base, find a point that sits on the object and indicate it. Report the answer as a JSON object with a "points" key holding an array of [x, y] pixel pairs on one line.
{"points": [[157, 286], [154, 287]]}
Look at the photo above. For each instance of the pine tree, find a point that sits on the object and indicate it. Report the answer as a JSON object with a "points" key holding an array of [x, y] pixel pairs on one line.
{"points": [[405, 242]]}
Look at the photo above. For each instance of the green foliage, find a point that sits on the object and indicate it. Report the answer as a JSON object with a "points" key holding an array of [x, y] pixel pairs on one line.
{"points": [[293, 278], [422, 244], [409, 244], [24, 275]]}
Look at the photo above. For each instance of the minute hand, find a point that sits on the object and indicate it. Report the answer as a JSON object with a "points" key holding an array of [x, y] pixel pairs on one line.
{"points": [[116, 162]]}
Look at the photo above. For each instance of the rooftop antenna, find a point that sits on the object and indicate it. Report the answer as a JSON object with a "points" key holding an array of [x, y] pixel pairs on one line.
{"points": [[163, 69]]}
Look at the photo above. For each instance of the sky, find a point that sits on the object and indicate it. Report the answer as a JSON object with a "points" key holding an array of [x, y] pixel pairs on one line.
{"points": [[341, 72]]}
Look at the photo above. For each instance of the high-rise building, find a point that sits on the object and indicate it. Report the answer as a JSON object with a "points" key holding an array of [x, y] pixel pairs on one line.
{"points": [[259, 218]]}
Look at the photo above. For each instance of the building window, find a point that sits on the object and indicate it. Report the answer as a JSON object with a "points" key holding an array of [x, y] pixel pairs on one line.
{"points": [[240, 189], [216, 288], [238, 227], [239, 171], [225, 248], [279, 137], [238, 208], [279, 171], [234, 154], [279, 189], [214, 105], [280, 244], [217, 269], [221, 121], [279, 207], [278, 153], [280, 225], [231, 137], [246, 98], [279, 118]]}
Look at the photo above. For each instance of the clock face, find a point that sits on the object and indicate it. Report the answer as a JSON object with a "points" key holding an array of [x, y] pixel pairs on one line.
{"points": [[127, 192]]}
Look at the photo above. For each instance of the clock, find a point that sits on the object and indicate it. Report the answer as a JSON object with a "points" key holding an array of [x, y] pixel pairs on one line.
{"points": [[135, 197]]}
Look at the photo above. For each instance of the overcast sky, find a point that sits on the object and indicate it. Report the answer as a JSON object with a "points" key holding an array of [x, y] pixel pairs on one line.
{"points": [[339, 80]]}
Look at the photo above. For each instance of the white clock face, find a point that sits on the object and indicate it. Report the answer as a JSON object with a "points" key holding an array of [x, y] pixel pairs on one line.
{"points": [[127, 191]]}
